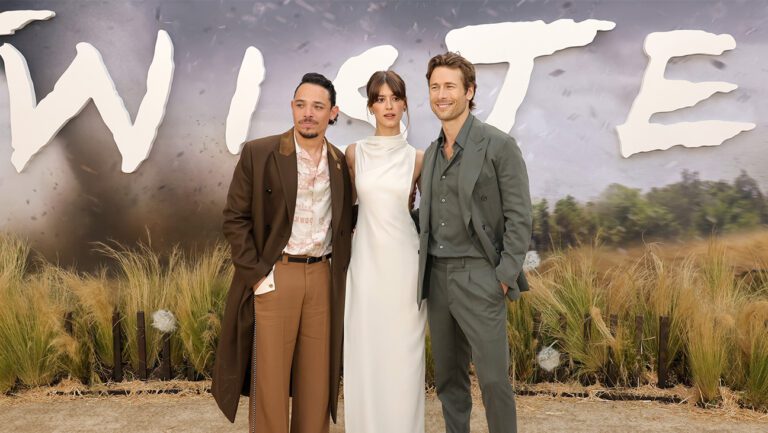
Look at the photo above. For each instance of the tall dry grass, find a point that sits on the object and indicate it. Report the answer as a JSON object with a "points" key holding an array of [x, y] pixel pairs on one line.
{"points": [[522, 343], [622, 359], [429, 369], [707, 350], [752, 328], [665, 287], [710, 311], [31, 325], [92, 299], [571, 284], [146, 283], [756, 386], [13, 263], [200, 285], [568, 286], [31, 330], [718, 314], [36, 348], [623, 298], [701, 294]]}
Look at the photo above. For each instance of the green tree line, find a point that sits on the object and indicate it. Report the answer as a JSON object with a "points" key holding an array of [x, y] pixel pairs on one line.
{"points": [[623, 215]]}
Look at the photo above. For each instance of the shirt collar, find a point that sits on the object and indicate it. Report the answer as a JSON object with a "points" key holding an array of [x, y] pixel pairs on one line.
{"points": [[463, 136], [299, 150]]}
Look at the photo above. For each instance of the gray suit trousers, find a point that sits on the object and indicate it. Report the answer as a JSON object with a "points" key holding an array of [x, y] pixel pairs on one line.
{"points": [[468, 321]]}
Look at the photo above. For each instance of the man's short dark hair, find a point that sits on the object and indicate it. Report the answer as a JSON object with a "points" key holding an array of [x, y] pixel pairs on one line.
{"points": [[322, 81]]}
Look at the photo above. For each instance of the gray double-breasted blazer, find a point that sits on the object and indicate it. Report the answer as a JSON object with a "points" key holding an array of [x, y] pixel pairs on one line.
{"points": [[495, 204]]}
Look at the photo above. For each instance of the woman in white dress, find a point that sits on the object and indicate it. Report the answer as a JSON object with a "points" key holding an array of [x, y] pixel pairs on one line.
{"points": [[383, 327]]}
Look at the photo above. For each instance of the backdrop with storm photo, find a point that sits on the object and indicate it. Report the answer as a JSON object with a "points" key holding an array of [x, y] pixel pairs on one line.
{"points": [[641, 124], [73, 193]]}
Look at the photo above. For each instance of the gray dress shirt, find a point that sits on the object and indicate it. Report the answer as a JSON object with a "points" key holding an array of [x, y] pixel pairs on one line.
{"points": [[448, 236]]}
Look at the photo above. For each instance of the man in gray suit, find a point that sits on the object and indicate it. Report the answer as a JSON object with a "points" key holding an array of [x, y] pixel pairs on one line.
{"points": [[475, 227]]}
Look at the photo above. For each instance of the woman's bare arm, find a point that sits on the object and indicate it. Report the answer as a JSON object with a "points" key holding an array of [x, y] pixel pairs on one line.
{"points": [[349, 154], [416, 181]]}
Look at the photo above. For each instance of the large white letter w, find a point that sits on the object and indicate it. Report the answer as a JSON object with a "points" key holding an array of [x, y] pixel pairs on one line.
{"points": [[34, 125]]}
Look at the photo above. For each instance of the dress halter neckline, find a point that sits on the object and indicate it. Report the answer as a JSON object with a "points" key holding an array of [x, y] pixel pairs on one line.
{"points": [[384, 143]]}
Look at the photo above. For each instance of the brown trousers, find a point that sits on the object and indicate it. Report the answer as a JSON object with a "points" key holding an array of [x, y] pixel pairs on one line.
{"points": [[292, 337]]}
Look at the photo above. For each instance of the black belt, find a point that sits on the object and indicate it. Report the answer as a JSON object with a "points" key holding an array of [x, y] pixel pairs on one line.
{"points": [[304, 259]]}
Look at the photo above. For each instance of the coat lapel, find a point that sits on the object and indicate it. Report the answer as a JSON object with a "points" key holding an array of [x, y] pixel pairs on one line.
{"points": [[426, 186], [469, 170], [285, 156], [336, 176]]}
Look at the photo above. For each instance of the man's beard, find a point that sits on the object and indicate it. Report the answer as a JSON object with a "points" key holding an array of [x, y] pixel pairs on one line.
{"points": [[448, 116], [308, 135]]}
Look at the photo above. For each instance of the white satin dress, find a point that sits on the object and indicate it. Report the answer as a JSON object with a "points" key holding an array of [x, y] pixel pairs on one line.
{"points": [[383, 328]]}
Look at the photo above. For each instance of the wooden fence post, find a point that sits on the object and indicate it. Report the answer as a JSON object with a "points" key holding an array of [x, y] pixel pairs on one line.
{"points": [[663, 351], [190, 370], [117, 348], [68, 322], [587, 333], [142, 342], [639, 322], [166, 365], [613, 367], [562, 371]]}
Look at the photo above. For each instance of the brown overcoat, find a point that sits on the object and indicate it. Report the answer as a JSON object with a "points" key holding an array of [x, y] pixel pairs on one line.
{"points": [[257, 223]]}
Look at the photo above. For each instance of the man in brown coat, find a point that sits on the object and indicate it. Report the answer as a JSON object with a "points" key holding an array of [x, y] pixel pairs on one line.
{"points": [[288, 219]]}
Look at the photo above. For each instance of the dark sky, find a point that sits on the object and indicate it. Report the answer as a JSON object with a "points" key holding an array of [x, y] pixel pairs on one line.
{"points": [[73, 192]]}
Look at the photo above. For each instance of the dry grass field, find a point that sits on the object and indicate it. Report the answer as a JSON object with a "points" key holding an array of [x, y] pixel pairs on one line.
{"points": [[746, 251], [715, 293]]}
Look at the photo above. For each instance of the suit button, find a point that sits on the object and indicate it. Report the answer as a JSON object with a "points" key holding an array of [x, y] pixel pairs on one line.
{"points": [[269, 190], [483, 198], [484, 227]]}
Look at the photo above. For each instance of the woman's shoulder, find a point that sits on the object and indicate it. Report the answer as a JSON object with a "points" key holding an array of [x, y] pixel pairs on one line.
{"points": [[349, 154]]}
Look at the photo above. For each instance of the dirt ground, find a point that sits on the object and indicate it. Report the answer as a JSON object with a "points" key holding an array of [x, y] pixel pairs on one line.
{"points": [[38, 411]]}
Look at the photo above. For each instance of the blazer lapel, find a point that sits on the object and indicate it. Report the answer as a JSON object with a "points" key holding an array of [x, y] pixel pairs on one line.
{"points": [[426, 185], [469, 170], [337, 187], [285, 156]]}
